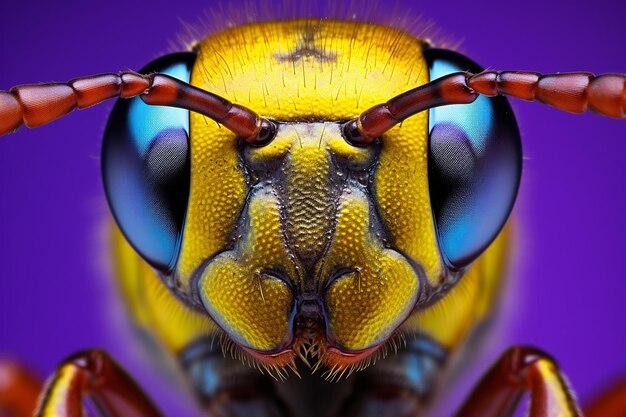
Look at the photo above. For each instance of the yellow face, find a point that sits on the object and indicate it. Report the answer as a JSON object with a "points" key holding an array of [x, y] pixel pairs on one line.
{"points": [[309, 242]]}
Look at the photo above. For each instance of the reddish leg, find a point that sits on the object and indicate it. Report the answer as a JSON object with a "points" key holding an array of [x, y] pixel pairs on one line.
{"points": [[19, 390], [94, 374], [521, 370], [611, 403]]}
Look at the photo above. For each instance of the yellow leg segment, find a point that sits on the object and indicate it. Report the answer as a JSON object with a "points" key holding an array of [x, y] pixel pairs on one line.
{"points": [[94, 374], [522, 370]]}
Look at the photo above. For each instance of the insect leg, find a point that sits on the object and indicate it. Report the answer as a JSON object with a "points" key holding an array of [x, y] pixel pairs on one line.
{"points": [[227, 387], [610, 403], [399, 385], [19, 390], [93, 373], [521, 370]]}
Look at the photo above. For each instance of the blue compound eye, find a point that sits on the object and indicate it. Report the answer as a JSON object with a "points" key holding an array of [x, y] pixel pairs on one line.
{"points": [[145, 166], [474, 166]]}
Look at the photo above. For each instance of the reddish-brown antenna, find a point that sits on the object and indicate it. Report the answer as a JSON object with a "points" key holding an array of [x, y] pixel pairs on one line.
{"points": [[37, 104], [572, 92]]}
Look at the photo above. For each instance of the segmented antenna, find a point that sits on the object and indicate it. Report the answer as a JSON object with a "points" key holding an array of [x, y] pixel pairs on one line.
{"points": [[37, 104], [572, 92]]}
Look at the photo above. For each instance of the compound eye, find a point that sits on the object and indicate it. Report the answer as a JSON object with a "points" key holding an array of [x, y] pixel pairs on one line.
{"points": [[146, 171], [474, 166]]}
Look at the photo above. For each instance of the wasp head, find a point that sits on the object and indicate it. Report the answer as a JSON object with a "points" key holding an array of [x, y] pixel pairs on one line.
{"points": [[307, 244]]}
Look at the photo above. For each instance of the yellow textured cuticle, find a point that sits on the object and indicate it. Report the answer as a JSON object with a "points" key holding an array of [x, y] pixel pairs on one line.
{"points": [[366, 305], [349, 68], [452, 318], [151, 304], [310, 73], [237, 290]]}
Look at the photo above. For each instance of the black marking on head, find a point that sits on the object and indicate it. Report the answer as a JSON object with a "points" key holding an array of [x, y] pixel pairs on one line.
{"points": [[305, 48]]}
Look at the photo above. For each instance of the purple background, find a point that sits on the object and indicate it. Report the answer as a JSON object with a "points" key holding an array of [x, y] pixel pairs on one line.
{"points": [[567, 283]]}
